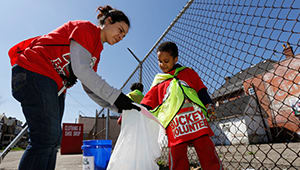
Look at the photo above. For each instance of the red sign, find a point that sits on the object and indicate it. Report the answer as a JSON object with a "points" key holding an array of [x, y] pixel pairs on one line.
{"points": [[72, 136]]}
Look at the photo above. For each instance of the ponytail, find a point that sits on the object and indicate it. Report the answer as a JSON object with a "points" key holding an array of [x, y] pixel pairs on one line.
{"points": [[108, 11]]}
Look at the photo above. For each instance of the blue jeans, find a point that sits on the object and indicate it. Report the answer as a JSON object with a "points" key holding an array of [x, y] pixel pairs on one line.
{"points": [[43, 110]]}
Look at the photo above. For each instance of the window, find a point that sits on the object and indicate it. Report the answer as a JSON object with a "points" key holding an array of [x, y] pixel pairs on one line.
{"points": [[251, 91]]}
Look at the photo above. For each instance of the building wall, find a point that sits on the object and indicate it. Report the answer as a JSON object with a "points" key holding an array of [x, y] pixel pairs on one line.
{"points": [[89, 122], [230, 131], [257, 133], [277, 91], [249, 128]]}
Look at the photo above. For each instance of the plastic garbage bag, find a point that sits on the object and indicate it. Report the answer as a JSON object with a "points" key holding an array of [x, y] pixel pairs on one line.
{"points": [[137, 146]]}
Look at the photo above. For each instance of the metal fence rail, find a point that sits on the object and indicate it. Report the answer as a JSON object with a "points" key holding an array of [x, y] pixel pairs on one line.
{"points": [[247, 54]]}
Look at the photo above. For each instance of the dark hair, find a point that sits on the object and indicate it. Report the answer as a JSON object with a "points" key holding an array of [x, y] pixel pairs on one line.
{"points": [[137, 86], [108, 11], [169, 47]]}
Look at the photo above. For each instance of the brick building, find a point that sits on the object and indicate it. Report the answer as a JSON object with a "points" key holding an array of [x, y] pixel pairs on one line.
{"points": [[275, 86]]}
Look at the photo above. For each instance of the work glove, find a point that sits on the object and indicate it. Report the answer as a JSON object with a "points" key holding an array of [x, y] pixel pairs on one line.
{"points": [[125, 103]]}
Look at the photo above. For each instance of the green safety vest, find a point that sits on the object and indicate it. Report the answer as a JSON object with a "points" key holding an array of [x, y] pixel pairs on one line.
{"points": [[136, 96], [177, 92]]}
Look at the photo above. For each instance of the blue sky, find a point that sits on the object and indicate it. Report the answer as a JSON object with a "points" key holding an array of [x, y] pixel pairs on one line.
{"points": [[22, 19]]}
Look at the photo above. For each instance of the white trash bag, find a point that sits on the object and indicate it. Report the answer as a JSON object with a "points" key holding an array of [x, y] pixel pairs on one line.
{"points": [[137, 146]]}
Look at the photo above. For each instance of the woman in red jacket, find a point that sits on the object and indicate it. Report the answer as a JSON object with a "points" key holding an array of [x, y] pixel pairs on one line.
{"points": [[45, 66]]}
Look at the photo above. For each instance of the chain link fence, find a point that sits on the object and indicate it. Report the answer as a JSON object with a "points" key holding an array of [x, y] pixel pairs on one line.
{"points": [[247, 54]]}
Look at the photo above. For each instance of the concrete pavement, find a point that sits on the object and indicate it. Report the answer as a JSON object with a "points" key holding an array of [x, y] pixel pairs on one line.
{"points": [[63, 162], [260, 156]]}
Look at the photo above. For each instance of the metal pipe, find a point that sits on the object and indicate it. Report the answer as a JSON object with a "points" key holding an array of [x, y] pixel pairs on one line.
{"points": [[107, 125]]}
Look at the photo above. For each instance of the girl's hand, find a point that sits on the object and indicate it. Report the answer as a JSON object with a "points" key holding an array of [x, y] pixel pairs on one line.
{"points": [[211, 110]]}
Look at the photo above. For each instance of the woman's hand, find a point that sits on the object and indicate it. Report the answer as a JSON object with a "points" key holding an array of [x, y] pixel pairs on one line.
{"points": [[125, 103]]}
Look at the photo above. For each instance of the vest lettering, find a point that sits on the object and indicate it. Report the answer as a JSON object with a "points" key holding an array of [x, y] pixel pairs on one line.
{"points": [[201, 124], [180, 120], [175, 122], [195, 116], [192, 127], [205, 122], [188, 119], [172, 125], [188, 123], [186, 129], [180, 130]]}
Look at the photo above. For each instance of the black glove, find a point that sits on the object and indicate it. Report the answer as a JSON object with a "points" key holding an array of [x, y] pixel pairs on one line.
{"points": [[125, 103], [147, 107]]}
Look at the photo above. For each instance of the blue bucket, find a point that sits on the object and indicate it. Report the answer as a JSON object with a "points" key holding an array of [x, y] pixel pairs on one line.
{"points": [[96, 154]]}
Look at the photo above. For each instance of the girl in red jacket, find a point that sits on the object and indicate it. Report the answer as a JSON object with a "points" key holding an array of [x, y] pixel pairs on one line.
{"points": [[181, 87]]}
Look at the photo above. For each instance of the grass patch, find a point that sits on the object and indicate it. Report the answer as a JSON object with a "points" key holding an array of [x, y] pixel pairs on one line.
{"points": [[13, 149]]}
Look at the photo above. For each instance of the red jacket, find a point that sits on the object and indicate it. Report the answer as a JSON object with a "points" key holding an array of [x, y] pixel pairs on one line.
{"points": [[49, 54], [188, 124]]}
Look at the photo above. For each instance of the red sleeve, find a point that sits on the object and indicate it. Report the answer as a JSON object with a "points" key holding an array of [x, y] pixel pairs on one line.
{"points": [[87, 35], [151, 98], [196, 82]]}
